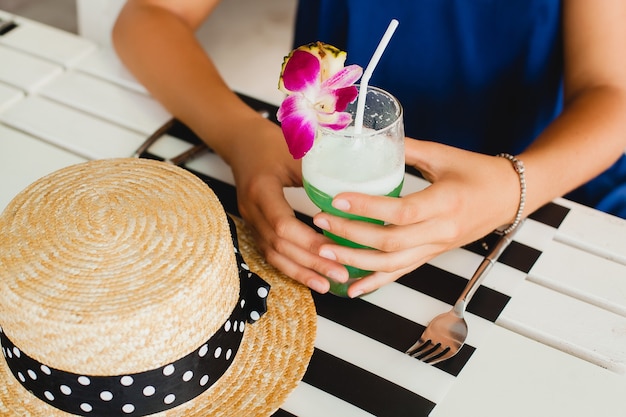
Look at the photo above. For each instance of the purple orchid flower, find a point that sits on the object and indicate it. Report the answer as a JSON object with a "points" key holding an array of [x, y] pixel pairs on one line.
{"points": [[319, 89]]}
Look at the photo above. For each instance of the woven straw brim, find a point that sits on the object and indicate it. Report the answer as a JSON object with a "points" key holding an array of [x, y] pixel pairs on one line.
{"points": [[272, 359]]}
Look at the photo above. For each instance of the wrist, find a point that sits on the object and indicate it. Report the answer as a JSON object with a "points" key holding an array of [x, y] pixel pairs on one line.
{"points": [[519, 168]]}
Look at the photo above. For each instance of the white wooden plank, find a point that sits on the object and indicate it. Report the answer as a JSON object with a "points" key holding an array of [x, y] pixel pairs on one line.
{"points": [[24, 159], [535, 234], [9, 95], [25, 71], [168, 147], [108, 101], [95, 18], [459, 261], [514, 376], [595, 232], [582, 275], [308, 401], [212, 165], [83, 134], [5, 15], [105, 64], [574, 327], [47, 42]]}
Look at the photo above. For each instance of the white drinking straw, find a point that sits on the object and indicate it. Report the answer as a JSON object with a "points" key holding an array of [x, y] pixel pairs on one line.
{"points": [[367, 74]]}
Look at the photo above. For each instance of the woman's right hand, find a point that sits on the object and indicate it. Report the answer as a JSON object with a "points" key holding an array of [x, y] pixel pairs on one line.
{"points": [[262, 166]]}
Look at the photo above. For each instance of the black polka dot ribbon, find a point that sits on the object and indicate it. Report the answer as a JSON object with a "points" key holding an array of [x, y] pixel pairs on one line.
{"points": [[253, 288], [152, 391]]}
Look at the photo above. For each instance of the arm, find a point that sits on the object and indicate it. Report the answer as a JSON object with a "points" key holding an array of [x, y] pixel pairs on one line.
{"points": [[155, 40], [590, 134], [472, 194]]}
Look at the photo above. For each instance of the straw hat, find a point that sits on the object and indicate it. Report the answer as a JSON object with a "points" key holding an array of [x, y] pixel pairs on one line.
{"points": [[120, 294]]}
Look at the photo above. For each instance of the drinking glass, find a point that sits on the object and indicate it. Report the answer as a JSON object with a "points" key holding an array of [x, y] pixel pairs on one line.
{"points": [[369, 162]]}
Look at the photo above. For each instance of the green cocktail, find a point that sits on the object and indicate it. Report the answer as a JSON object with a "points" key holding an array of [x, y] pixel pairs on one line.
{"points": [[323, 201], [369, 162]]}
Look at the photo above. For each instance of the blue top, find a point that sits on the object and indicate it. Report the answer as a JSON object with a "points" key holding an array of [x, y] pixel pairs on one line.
{"points": [[482, 75]]}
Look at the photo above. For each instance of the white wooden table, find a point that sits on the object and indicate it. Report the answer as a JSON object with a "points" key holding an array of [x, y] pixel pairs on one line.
{"points": [[547, 329]]}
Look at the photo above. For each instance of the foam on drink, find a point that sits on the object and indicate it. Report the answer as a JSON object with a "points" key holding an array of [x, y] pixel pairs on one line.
{"points": [[366, 164]]}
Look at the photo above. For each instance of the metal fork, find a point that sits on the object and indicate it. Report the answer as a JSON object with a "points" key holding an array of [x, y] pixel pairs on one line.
{"points": [[445, 334]]}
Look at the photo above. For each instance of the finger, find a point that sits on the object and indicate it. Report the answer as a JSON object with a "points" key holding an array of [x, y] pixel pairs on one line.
{"points": [[376, 207], [305, 251], [374, 281], [375, 260], [299, 242], [295, 251], [378, 279], [280, 254], [291, 245], [391, 237], [303, 275]]}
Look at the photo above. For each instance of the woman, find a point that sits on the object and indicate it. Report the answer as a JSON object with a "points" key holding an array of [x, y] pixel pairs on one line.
{"points": [[541, 79]]}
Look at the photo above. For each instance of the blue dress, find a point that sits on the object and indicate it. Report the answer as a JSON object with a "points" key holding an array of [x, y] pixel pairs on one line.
{"points": [[482, 75]]}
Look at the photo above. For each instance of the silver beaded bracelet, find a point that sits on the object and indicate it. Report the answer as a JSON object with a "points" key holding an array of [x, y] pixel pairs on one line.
{"points": [[518, 166]]}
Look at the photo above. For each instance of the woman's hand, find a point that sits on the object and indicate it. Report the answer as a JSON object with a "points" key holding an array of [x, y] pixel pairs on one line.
{"points": [[470, 195], [262, 167]]}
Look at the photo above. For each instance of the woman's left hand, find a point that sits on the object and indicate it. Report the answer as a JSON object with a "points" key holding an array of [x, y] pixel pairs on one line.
{"points": [[470, 195]]}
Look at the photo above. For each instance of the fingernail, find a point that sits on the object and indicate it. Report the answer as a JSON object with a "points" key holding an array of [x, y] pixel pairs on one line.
{"points": [[321, 223], [328, 254], [337, 276], [341, 204], [356, 293], [320, 286]]}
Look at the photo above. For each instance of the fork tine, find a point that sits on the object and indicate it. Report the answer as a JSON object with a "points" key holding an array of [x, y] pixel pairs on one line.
{"points": [[420, 345], [433, 352], [438, 356]]}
